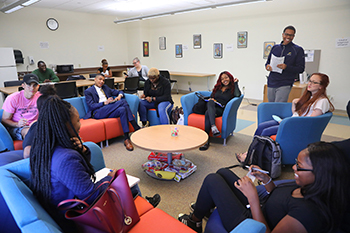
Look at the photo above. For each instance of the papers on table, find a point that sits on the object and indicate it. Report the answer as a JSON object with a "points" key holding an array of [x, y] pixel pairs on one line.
{"points": [[132, 180], [276, 61]]}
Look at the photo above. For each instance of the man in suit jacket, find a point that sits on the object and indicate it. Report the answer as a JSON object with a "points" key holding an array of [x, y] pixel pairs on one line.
{"points": [[101, 103]]}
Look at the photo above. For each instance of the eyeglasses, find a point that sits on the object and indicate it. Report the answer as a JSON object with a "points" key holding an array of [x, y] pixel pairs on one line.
{"points": [[313, 82], [135, 62], [290, 35], [299, 169]]}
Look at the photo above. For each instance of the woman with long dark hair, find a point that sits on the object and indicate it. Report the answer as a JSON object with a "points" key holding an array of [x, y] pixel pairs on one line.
{"points": [[59, 162], [225, 89], [314, 203]]}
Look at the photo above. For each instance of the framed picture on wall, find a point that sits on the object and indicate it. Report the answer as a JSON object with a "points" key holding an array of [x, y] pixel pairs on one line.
{"points": [[267, 48], [178, 50], [242, 39], [197, 41], [218, 50], [145, 48], [162, 43]]}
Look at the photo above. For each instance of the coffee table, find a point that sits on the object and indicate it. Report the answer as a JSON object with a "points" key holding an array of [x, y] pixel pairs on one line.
{"points": [[158, 138]]}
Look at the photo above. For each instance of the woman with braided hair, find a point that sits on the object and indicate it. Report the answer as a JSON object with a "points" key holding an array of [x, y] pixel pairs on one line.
{"points": [[59, 162]]}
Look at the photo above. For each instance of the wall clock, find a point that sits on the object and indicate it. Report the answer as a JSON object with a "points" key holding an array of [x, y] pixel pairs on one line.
{"points": [[52, 24]]}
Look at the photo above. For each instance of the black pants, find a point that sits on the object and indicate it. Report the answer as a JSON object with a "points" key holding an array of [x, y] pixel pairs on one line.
{"points": [[218, 190], [213, 110]]}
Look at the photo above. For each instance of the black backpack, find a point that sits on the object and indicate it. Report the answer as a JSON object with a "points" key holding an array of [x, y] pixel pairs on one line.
{"points": [[266, 153]]}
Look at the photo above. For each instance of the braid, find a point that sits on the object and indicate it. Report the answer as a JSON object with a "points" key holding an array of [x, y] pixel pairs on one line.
{"points": [[51, 131]]}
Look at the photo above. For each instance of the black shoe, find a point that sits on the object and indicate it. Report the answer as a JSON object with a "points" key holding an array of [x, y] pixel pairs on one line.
{"points": [[186, 219], [154, 200], [204, 147], [206, 216]]}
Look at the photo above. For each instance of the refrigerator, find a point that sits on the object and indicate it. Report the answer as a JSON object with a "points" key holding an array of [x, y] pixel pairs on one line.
{"points": [[8, 70]]}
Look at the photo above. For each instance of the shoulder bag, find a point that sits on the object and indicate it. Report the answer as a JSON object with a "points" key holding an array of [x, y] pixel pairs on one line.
{"points": [[113, 211]]}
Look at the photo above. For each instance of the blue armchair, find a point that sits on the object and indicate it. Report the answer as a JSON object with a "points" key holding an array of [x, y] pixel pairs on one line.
{"points": [[214, 225], [226, 123], [294, 133]]}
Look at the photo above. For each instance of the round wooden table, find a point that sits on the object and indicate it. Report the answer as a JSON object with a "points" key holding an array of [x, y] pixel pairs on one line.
{"points": [[158, 138]]}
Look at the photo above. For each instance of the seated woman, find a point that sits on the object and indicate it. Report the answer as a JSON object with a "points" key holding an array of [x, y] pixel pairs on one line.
{"points": [[59, 162], [104, 69], [225, 89], [313, 102], [314, 203], [139, 70], [156, 94]]}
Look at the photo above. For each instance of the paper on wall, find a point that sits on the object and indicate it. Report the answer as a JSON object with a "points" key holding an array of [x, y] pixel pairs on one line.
{"points": [[276, 61]]}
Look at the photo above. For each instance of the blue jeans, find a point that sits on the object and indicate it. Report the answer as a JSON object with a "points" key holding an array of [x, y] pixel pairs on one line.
{"points": [[163, 108], [267, 128]]}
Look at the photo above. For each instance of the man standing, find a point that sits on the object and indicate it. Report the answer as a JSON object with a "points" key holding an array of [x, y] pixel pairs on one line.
{"points": [[102, 105], [20, 109], [45, 74], [280, 84]]}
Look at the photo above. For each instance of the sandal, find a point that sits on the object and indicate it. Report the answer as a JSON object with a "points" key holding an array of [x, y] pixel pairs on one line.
{"points": [[241, 157]]}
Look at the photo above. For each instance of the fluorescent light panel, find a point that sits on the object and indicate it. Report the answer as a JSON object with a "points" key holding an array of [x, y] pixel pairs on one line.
{"points": [[17, 5], [207, 7]]}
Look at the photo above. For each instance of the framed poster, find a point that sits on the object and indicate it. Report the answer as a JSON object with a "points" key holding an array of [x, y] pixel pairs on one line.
{"points": [[162, 43], [267, 48], [218, 50], [242, 39], [197, 41], [178, 50], [145, 48]]}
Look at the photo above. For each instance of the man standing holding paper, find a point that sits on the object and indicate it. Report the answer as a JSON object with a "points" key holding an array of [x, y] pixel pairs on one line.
{"points": [[285, 62]]}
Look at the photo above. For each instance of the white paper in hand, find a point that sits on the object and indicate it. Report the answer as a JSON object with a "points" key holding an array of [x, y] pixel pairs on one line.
{"points": [[251, 176], [276, 61]]}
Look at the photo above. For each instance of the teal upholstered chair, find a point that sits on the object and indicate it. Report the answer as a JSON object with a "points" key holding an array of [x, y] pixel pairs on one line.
{"points": [[226, 123], [294, 133]]}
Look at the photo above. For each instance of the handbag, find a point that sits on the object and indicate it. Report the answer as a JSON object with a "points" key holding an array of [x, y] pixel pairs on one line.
{"points": [[113, 211]]}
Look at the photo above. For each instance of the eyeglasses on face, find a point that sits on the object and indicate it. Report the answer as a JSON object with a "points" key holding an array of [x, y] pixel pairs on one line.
{"points": [[299, 169], [313, 82], [135, 62], [290, 35]]}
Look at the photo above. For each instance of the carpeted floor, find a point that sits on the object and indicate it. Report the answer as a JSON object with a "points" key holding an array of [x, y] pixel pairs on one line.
{"points": [[176, 197]]}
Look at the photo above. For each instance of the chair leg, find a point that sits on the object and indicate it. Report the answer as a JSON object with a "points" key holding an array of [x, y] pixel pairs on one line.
{"points": [[101, 145], [107, 143], [224, 142], [177, 89]]}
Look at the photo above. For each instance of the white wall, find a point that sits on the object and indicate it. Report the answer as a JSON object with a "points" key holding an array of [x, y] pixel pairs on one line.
{"points": [[318, 24], [75, 42]]}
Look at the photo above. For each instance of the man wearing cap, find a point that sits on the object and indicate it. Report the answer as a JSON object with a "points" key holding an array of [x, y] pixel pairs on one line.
{"points": [[20, 109], [45, 74]]}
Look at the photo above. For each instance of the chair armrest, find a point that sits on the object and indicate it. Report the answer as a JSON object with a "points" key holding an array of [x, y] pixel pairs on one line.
{"points": [[133, 101], [266, 110], [6, 138], [295, 133], [229, 116], [97, 160], [188, 101], [249, 226]]}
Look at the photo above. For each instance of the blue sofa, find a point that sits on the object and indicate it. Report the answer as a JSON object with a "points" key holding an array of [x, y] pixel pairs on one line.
{"points": [[104, 129]]}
